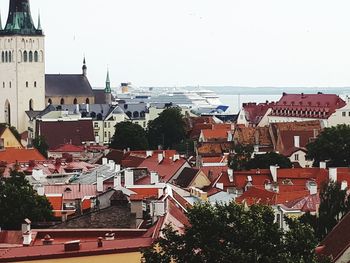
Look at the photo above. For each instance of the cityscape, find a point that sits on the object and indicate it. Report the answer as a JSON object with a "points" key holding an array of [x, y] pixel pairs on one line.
{"points": [[162, 173]]}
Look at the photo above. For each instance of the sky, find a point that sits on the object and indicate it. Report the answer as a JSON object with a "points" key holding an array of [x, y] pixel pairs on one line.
{"points": [[198, 42]]}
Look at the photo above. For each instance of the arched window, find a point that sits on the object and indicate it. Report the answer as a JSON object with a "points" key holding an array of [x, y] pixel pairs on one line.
{"points": [[7, 112], [41, 56], [49, 101], [75, 101], [25, 56], [34, 84], [129, 114], [142, 114], [87, 101], [136, 114], [2, 56], [36, 56], [10, 84], [10, 56], [93, 114], [20, 56], [62, 101], [27, 84], [6, 57], [31, 105], [30, 56]]}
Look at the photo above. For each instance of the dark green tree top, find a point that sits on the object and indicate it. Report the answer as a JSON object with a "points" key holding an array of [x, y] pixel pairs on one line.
{"points": [[231, 233], [333, 145], [263, 161], [241, 157], [129, 135], [40, 144], [167, 130], [18, 200]]}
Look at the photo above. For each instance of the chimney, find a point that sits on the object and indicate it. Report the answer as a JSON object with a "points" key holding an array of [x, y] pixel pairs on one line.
{"points": [[100, 242], [220, 186], [154, 178], [256, 148], [117, 168], [41, 190], [149, 153], [273, 170], [129, 177], [104, 161], [117, 180], [27, 238], [344, 185], [268, 185], [323, 165], [87, 107], [72, 246], [332, 174], [176, 157], [160, 157], [100, 183], [230, 175], [47, 241], [111, 165], [297, 141], [312, 186]]}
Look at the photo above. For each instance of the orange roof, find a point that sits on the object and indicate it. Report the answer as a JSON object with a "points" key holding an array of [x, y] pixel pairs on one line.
{"points": [[55, 201], [12, 155], [144, 193], [68, 148], [86, 204], [215, 134]]}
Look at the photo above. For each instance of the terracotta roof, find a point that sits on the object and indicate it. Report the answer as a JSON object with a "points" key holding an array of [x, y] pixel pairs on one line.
{"points": [[8, 238], [68, 148], [257, 196], [286, 138], [56, 201], [244, 135], [144, 193], [186, 176], [214, 148], [12, 155], [306, 103], [72, 191], [309, 203], [220, 134], [60, 132], [255, 112], [338, 240], [213, 172]]}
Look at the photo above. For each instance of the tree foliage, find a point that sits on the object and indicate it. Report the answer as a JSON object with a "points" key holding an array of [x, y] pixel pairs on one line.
{"points": [[241, 157], [335, 204], [129, 135], [18, 200], [41, 145], [264, 161], [167, 130], [231, 233], [333, 145]]}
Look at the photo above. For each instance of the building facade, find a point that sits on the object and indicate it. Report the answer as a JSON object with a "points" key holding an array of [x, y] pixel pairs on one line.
{"points": [[22, 66]]}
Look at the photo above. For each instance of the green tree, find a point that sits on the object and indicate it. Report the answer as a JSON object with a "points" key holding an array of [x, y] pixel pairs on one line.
{"points": [[241, 157], [18, 200], [333, 145], [41, 145], [263, 161], [334, 205], [231, 233], [167, 130], [129, 135]]}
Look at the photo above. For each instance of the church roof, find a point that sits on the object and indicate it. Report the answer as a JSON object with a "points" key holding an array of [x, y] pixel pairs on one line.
{"points": [[67, 85], [19, 21]]}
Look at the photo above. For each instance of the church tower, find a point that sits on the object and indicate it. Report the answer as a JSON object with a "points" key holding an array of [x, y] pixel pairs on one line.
{"points": [[22, 66], [108, 91]]}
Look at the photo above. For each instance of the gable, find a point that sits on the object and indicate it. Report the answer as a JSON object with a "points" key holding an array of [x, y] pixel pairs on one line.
{"points": [[10, 141]]}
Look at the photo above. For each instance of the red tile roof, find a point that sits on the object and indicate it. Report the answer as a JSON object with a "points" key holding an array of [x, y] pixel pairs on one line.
{"points": [[72, 191], [68, 148], [337, 242], [56, 201], [257, 196], [13, 155], [219, 134], [309, 203], [144, 193], [255, 112]]}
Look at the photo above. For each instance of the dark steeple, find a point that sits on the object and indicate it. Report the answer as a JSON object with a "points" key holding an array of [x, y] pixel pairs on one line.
{"points": [[108, 83], [19, 21], [84, 68]]}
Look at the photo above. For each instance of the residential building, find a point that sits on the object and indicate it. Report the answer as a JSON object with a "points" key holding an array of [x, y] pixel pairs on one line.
{"points": [[8, 139], [253, 115]]}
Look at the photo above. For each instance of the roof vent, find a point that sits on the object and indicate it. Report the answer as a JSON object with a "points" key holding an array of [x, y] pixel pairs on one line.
{"points": [[72, 246]]}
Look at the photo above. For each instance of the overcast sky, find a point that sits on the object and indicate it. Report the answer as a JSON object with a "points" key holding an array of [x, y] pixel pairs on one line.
{"points": [[198, 42]]}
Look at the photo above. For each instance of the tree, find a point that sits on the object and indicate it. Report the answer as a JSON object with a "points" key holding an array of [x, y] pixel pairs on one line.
{"points": [[167, 130], [242, 156], [263, 161], [334, 205], [129, 135], [333, 146], [18, 200], [231, 233], [41, 145]]}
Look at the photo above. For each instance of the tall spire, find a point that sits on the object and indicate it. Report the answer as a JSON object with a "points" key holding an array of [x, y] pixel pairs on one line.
{"points": [[84, 67], [39, 23], [108, 83], [19, 20], [0, 22]]}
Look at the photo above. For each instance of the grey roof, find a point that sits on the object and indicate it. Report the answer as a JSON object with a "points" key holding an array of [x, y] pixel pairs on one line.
{"points": [[67, 85]]}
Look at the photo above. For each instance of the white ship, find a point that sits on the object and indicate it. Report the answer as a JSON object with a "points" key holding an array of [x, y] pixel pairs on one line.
{"points": [[199, 100]]}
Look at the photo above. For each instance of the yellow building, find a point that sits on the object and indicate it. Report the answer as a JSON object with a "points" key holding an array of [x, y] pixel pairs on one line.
{"points": [[8, 140]]}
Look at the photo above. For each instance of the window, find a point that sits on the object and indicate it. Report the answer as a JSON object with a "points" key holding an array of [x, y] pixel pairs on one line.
{"points": [[109, 125], [3, 56], [296, 157], [27, 85], [96, 134], [25, 56], [105, 124], [30, 56], [96, 124], [10, 84], [3, 84], [50, 101], [349, 113], [75, 101], [87, 101], [344, 113], [105, 134], [36, 56], [10, 57], [34, 84], [62, 101]]}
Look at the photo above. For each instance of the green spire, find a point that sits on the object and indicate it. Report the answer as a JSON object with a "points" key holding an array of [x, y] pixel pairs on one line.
{"points": [[108, 83], [39, 23]]}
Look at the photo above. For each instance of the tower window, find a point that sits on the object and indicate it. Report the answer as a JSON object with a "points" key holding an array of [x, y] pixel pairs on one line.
{"points": [[62, 101], [27, 85], [50, 101], [30, 56], [2, 56], [10, 84], [6, 57], [75, 101], [3, 84], [25, 56], [34, 84], [36, 56], [10, 56]]}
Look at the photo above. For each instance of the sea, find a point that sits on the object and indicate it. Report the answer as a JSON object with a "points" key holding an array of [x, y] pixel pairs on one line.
{"points": [[235, 96]]}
